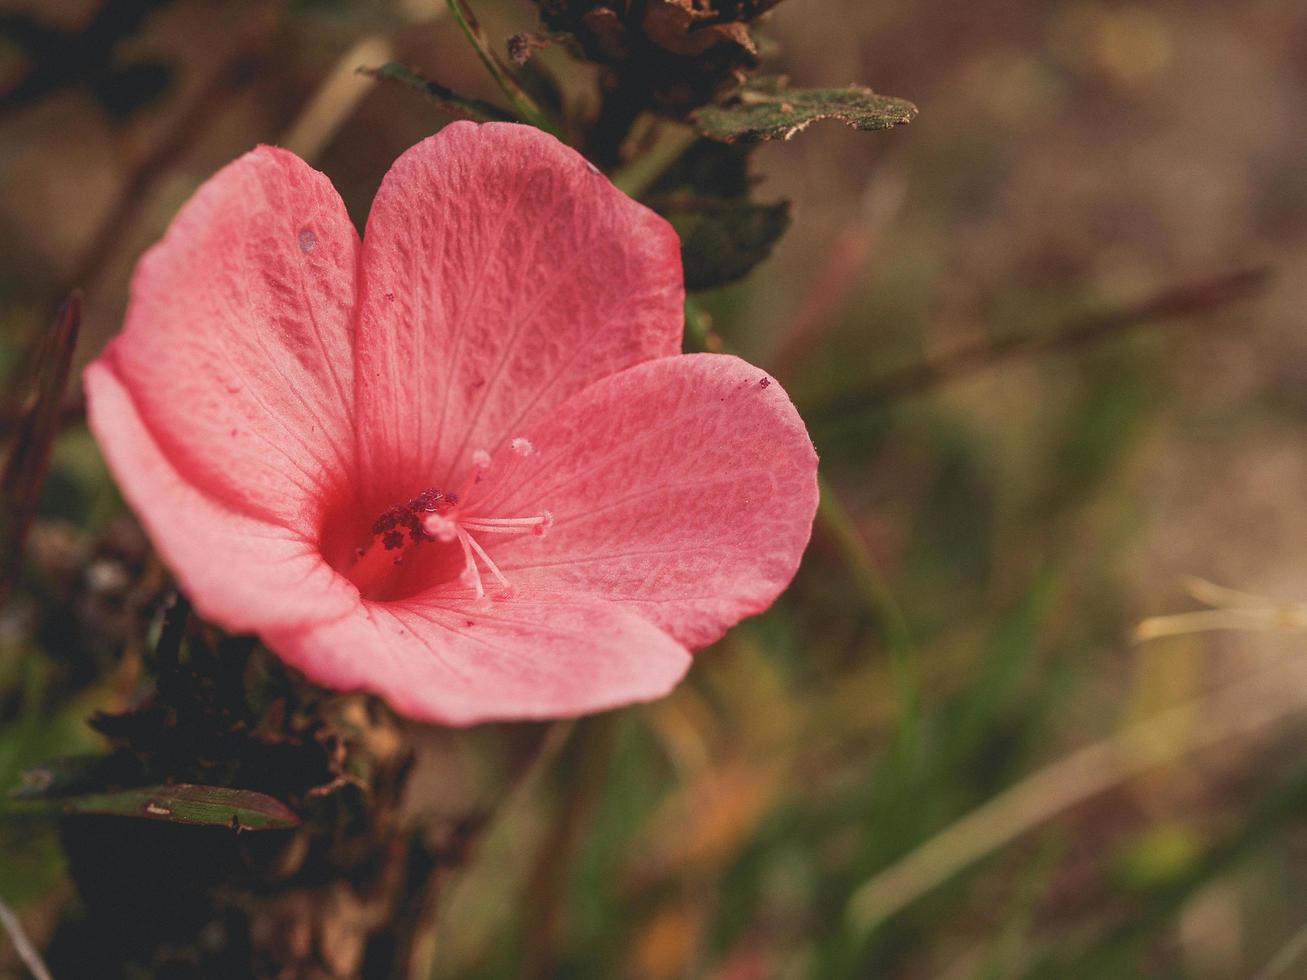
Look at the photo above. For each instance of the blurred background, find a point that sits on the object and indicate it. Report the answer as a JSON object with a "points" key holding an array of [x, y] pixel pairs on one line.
{"points": [[949, 751]]}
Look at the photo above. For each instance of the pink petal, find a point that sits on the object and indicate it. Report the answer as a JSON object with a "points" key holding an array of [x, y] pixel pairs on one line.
{"points": [[537, 657], [241, 572], [236, 349], [501, 273], [684, 488]]}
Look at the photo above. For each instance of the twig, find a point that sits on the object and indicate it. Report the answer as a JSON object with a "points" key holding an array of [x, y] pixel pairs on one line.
{"points": [[636, 177], [26, 951], [1287, 955], [1237, 709], [538, 761], [237, 72], [1206, 296], [508, 84], [844, 534], [61, 58], [70, 411], [25, 468], [335, 100], [583, 782], [213, 97]]}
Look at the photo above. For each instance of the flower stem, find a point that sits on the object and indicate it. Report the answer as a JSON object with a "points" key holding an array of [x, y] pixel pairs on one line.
{"points": [[636, 177], [839, 526], [837, 523], [522, 103]]}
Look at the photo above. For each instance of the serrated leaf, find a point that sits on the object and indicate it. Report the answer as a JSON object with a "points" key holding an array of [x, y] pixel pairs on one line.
{"points": [[766, 109], [447, 100], [185, 803], [722, 240]]}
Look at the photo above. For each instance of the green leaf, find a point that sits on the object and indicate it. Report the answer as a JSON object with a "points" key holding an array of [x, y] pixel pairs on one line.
{"points": [[766, 109], [721, 239], [204, 806], [447, 100]]}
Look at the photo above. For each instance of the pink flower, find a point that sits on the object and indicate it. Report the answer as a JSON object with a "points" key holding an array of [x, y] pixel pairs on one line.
{"points": [[463, 463]]}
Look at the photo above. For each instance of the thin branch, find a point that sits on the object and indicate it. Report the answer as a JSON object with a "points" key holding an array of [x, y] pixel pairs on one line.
{"points": [[336, 98], [1285, 958], [839, 526], [231, 78], [215, 95], [521, 100], [636, 177], [26, 951], [523, 782], [839, 274], [25, 468], [1197, 298]]}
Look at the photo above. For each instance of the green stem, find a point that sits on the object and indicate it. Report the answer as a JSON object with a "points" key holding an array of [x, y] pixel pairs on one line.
{"points": [[643, 172], [699, 336], [838, 524], [526, 107]]}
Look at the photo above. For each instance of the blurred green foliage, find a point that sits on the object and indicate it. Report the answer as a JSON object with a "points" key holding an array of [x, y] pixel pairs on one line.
{"points": [[1014, 524]]}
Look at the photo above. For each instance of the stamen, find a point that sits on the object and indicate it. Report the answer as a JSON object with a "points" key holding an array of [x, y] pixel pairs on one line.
{"points": [[471, 576], [510, 525], [481, 553], [480, 463]]}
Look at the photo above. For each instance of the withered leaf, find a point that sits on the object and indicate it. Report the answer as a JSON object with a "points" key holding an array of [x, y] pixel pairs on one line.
{"points": [[722, 240]]}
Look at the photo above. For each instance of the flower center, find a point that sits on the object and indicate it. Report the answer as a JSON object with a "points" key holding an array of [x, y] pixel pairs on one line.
{"points": [[432, 518]]}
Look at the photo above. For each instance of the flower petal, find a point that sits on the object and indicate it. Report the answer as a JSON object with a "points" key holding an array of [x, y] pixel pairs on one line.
{"points": [[501, 273], [236, 348], [684, 488], [243, 573], [537, 657]]}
